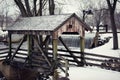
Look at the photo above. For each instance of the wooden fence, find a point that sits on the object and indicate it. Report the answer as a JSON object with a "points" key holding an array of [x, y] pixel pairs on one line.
{"points": [[3, 53], [91, 59]]}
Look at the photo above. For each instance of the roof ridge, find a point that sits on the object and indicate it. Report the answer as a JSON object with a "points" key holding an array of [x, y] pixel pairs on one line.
{"points": [[49, 15]]}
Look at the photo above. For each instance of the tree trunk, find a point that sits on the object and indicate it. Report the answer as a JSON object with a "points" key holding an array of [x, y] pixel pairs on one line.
{"points": [[112, 7], [35, 10], [40, 8], [28, 8], [114, 30], [51, 7]]}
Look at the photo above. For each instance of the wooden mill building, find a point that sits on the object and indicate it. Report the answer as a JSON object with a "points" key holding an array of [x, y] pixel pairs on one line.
{"points": [[37, 32]]}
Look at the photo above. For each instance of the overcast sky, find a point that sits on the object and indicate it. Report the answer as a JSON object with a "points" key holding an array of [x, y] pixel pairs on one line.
{"points": [[70, 6]]}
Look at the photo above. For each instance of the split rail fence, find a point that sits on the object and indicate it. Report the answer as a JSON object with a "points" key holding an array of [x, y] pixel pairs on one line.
{"points": [[91, 59]]}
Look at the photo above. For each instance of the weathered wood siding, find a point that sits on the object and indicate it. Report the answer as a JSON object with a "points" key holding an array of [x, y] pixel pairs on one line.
{"points": [[72, 25]]}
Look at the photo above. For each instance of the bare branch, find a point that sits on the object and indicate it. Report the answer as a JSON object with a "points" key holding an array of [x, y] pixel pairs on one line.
{"points": [[44, 3], [35, 10], [114, 4], [28, 8], [21, 7]]}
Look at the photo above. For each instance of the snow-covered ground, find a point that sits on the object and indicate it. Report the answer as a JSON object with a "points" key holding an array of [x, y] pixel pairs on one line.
{"points": [[106, 49], [94, 73]]}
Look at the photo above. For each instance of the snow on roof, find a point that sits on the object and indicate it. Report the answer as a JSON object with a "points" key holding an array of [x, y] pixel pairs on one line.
{"points": [[43, 23], [39, 23]]}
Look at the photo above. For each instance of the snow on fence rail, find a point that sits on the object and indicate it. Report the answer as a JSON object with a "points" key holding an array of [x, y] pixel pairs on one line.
{"points": [[91, 59], [3, 53]]}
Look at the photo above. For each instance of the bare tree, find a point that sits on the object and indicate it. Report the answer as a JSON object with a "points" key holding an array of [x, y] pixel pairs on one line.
{"points": [[27, 10], [100, 16], [5, 20], [112, 7]]}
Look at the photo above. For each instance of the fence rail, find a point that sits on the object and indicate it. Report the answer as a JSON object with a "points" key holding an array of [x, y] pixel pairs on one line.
{"points": [[3, 53], [90, 58]]}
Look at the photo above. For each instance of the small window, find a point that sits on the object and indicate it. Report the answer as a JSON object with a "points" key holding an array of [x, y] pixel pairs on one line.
{"points": [[70, 25]]}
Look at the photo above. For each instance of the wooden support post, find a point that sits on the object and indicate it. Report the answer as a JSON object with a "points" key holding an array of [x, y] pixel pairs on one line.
{"points": [[10, 45], [29, 47], [96, 39], [55, 42], [82, 46], [55, 49], [76, 60], [28, 39]]}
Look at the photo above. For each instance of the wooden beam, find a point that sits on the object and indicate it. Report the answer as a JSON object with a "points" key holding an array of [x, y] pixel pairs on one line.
{"points": [[46, 44], [10, 45], [46, 39], [29, 43], [77, 61], [39, 47], [21, 42]]}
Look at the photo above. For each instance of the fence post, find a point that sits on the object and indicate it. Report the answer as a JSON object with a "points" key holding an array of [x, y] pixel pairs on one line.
{"points": [[82, 46]]}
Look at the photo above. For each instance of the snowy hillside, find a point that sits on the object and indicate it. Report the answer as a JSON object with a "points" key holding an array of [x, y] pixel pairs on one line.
{"points": [[107, 48]]}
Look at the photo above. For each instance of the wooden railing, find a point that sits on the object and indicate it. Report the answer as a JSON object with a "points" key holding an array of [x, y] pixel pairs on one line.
{"points": [[91, 59]]}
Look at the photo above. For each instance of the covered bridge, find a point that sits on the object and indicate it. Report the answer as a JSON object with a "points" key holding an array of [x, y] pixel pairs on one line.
{"points": [[38, 30]]}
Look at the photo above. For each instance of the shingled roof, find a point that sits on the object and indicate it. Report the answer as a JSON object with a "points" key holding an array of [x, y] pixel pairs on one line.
{"points": [[42, 23]]}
